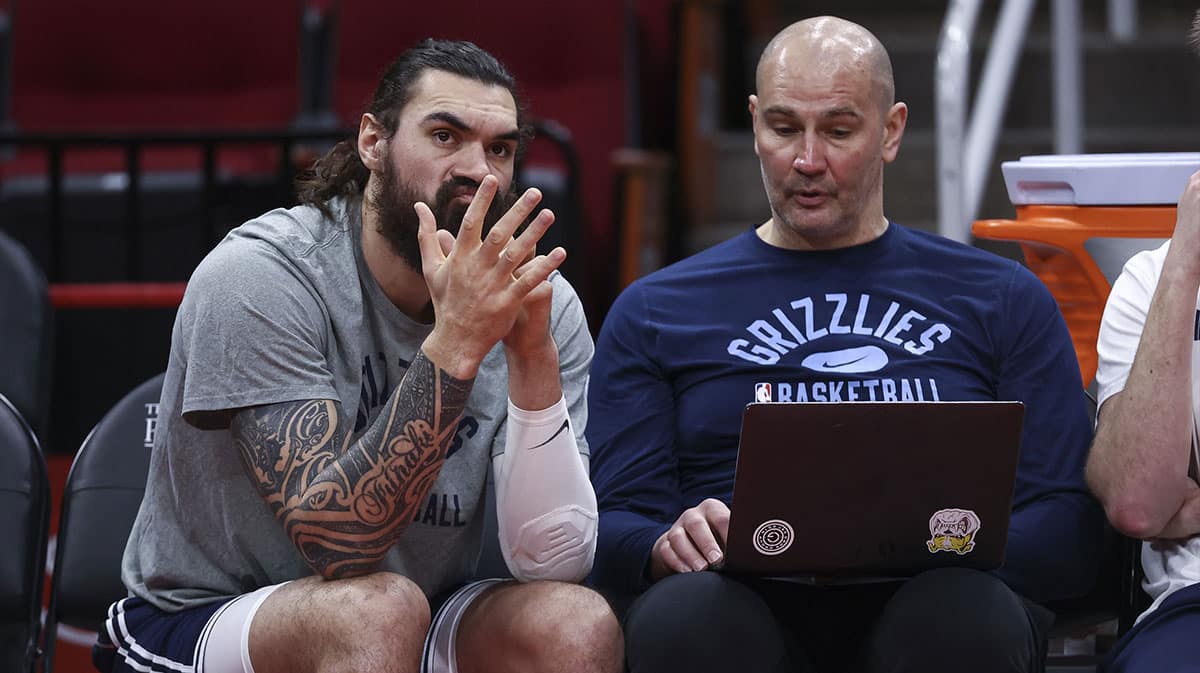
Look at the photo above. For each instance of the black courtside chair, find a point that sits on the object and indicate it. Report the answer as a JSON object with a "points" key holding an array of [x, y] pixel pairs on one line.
{"points": [[1116, 596], [25, 503], [103, 492], [26, 335]]}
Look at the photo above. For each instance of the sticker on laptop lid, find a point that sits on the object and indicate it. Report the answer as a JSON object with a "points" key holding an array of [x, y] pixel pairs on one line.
{"points": [[952, 530], [773, 537]]}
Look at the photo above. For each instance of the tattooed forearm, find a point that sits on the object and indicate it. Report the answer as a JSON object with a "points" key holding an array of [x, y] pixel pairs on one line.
{"points": [[344, 504]]}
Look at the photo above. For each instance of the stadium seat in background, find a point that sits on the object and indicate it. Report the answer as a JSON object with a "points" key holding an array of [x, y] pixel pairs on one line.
{"points": [[144, 68], [318, 35], [552, 165], [81, 66], [102, 496], [5, 66], [24, 499], [26, 335], [139, 67]]}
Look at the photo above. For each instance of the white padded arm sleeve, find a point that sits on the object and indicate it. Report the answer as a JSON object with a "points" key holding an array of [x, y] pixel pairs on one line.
{"points": [[545, 505]]}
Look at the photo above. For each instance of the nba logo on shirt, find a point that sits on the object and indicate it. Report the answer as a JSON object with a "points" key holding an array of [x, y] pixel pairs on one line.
{"points": [[762, 392]]}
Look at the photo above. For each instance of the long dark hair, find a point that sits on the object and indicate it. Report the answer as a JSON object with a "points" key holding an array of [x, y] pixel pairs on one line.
{"points": [[340, 172]]}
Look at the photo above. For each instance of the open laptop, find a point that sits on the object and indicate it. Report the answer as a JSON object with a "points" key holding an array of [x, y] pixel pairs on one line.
{"points": [[838, 491]]}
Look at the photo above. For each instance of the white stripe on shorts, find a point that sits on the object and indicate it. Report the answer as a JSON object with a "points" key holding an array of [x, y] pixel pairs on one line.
{"points": [[224, 644], [439, 655], [137, 657]]}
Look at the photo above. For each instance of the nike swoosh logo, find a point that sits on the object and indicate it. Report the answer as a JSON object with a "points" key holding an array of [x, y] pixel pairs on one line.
{"points": [[847, 363], [858, 360], [562, 428]]}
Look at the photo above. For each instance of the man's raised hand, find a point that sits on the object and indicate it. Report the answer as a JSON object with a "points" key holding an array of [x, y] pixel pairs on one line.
{"points": [[476, 296], [1184, 253]]}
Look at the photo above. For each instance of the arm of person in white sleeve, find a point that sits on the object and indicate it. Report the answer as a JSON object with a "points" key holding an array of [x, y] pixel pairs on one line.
{"points": [[545, 505]]}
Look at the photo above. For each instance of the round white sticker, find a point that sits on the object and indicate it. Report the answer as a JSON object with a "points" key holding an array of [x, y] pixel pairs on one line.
{"points": [[773, 537]]}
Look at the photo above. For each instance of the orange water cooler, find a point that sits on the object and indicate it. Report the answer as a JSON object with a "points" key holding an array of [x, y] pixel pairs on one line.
{"points": [[1079, 217]]}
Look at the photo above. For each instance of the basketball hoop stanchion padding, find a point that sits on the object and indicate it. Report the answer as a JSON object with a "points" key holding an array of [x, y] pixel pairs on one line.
{"points": [[116, 295], [1053, 239]]}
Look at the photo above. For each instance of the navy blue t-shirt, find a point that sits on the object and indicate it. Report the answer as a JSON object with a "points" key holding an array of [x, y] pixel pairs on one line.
{"points": [[907, 316]]}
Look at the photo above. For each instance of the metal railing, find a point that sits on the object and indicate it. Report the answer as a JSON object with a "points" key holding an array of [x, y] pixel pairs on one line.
{"points": [[131, 146], [965, 148], [964, 151]]}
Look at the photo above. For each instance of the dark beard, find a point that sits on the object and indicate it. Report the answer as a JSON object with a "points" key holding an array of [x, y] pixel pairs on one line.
{"points": [[398, 223]]}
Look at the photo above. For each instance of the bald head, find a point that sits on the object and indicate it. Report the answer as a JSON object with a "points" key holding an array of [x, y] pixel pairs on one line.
{"points": [[828, 43]]}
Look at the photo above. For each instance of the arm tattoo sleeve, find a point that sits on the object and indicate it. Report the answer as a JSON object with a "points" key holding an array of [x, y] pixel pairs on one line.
{"points": [[344, 504]]}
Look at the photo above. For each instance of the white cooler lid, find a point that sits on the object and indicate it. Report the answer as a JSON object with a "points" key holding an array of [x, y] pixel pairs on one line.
{"points": [[1099, 179]]}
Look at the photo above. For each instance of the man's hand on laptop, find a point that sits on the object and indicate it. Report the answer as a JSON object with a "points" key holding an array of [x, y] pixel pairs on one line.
{"points": [[693, 543]]}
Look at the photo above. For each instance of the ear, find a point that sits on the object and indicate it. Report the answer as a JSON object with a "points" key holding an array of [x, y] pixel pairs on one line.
{"points": [[753, 108], [372, 142], [893, 131]]}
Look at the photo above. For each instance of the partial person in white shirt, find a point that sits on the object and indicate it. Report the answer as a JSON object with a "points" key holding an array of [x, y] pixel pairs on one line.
{"points": [[1140, 465]]}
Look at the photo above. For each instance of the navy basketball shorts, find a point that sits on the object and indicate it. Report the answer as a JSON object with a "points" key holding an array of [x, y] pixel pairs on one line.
{"points": [[215, 638]]}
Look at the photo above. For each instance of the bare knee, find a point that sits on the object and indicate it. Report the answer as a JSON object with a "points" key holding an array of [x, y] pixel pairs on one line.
{"points": [[567, 627], [370, 624], [384, 603]]}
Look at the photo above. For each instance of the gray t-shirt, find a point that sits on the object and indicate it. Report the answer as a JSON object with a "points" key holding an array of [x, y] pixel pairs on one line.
{"points": [[284, 309]]}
